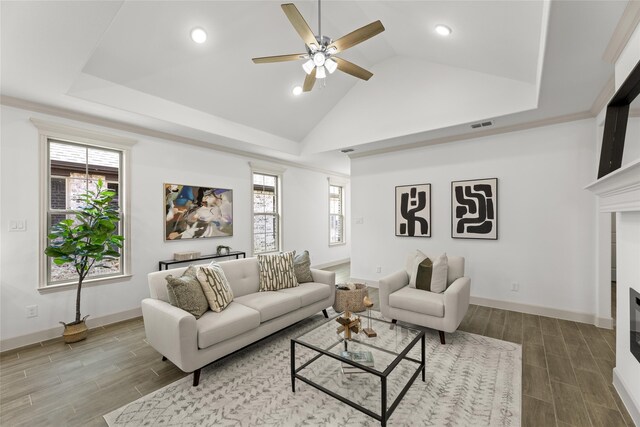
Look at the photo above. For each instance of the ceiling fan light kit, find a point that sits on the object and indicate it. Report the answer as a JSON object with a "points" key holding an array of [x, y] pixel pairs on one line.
{"points": [[321, 49]]}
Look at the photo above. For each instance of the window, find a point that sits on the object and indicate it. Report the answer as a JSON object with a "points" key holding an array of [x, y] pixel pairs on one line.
{"points": [[73, 164], [266, 216], [336, 214]]}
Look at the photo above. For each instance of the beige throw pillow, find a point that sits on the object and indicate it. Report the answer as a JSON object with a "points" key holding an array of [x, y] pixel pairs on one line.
{"points": [[186, 293], [215, 286], [277, 272], [418, 257], [440, 270]]}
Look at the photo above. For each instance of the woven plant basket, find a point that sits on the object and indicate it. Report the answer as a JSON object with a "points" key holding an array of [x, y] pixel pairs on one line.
{"points": [[351, 300], [74, 332]]}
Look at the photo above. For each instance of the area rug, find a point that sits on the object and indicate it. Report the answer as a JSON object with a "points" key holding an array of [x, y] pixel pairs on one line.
{"points": [[470, 381]]}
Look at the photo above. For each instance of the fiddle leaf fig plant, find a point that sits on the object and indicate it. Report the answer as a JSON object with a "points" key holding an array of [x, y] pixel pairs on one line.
{"points": [[89, 239]]}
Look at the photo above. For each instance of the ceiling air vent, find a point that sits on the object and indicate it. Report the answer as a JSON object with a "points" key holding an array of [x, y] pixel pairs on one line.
{"points": [[347, 150], [482, 124]]}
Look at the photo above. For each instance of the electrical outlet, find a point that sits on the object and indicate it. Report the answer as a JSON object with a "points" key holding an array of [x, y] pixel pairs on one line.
{"points": [[32, 310], [378, 269], [17, 225], [515, 287]]}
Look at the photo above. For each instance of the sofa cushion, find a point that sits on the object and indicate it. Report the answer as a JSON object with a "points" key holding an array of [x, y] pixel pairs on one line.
{"points": [[242, 275], [186, 293], [302, 267], [215, 286], [270, 304], [276, 271], [216, 327], [418, 301], [308, 293]]}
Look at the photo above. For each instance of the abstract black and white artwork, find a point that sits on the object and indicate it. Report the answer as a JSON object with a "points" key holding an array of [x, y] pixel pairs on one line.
{"points": [[474, 209], [413, 210]]}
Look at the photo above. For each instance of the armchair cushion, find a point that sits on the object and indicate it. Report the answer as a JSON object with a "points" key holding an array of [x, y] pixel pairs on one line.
{"points": [[418, 301]]}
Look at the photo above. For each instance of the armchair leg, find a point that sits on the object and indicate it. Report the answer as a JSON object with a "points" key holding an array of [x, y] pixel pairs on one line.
{"points": [[164, 359], [394, 321], [196, 377], [441, 337], [325, 314]]}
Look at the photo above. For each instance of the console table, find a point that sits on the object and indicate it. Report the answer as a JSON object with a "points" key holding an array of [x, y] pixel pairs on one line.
{"points": [[164, 265]]}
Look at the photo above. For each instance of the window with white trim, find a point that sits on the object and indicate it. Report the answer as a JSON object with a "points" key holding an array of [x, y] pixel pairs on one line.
{"points": [[266, 215], [336, 215], [73, 161]]}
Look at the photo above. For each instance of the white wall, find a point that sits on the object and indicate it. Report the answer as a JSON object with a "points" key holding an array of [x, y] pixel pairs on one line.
{"points": [[546, 218], [154, 162]]}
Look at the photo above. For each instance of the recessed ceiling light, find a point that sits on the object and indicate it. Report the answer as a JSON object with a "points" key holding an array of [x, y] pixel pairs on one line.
{"points": [[443, 30], [198, 35], [297, 90]]}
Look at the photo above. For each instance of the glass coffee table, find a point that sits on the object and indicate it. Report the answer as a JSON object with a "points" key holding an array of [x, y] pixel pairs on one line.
{"points": [[374, 387]]}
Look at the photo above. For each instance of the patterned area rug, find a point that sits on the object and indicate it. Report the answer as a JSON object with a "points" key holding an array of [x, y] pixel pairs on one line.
{"points": [[470, 381]]}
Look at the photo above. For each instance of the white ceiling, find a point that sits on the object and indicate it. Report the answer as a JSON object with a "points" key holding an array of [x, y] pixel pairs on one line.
{"points": [[134, 62]]}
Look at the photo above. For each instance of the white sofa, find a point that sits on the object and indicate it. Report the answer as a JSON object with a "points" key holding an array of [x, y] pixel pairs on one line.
{"points": [[191, 344], [440, 311]]}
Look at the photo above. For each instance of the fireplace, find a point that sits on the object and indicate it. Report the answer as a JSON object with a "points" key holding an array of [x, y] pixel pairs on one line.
{"points": [[634, 317]]}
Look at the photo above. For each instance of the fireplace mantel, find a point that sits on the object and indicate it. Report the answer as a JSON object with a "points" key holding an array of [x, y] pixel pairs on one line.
{"points": [[619, 191]]}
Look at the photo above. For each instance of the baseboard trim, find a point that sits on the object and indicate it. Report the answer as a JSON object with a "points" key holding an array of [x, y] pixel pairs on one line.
{"points": [[331, 263], [632, 407], [47, 334], [605, 322], [575, 316]]}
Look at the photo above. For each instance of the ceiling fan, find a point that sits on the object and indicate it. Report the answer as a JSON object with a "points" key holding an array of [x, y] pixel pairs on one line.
{"points": [[321, 50]]}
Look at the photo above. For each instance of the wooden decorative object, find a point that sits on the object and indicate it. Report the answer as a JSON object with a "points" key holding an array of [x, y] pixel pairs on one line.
{"points": [[184, 256], [348, 325]]}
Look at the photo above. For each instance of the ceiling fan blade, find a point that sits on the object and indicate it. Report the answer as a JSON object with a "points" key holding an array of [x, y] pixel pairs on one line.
{"points": [[357, 36], [299, 24], [280, 58], [353, 69], [309, 81]]}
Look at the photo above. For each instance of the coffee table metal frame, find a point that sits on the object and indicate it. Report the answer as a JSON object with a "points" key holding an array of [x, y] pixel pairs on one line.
{"points": [[383, 417]]}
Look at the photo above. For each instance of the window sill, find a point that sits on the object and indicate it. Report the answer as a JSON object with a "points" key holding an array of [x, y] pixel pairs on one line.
{"points": [[337, 244], [88, 282]]}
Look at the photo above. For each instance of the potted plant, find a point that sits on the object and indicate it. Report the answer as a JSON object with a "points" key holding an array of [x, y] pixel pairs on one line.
{"points": [[85, 242]]}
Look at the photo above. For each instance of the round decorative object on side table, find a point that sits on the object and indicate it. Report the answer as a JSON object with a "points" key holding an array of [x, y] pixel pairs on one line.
{"points": [[351, 300]]}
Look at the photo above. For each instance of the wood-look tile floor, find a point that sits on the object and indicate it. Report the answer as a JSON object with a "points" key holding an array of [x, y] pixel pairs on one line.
{"points": [[567, 370]]}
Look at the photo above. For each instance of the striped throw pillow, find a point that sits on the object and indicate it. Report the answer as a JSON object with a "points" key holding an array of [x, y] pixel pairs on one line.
{"points": [[215, 286], [277, 272]]}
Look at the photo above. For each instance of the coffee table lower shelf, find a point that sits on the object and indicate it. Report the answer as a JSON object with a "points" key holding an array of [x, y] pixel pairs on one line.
{"points": [[385, 414]]}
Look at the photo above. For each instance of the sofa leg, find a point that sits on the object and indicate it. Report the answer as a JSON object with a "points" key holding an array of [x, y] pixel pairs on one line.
{"points": [[196, 377], [441, 337], [326, 315], [164, 359]]}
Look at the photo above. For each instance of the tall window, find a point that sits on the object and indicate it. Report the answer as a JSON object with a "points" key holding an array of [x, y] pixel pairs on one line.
{"points": [[336, 215], [73, 169], [266, 216]]}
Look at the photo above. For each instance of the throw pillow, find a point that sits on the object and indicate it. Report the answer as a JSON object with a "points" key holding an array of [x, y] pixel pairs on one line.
{"points": [[186, 293], [423, 276], [439, 276], [276, 272], [417, 259], [215, 286], [302, 267]]}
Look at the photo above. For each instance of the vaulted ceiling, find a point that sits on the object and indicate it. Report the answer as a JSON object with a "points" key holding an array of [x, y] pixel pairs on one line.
{"points": [[133, 62]]}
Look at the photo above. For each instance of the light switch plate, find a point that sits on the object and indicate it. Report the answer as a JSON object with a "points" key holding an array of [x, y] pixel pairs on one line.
{"points": [[17, 225]]}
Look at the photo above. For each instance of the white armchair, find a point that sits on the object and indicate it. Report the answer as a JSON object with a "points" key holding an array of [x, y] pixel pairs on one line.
{"points": [[443, 312]]}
